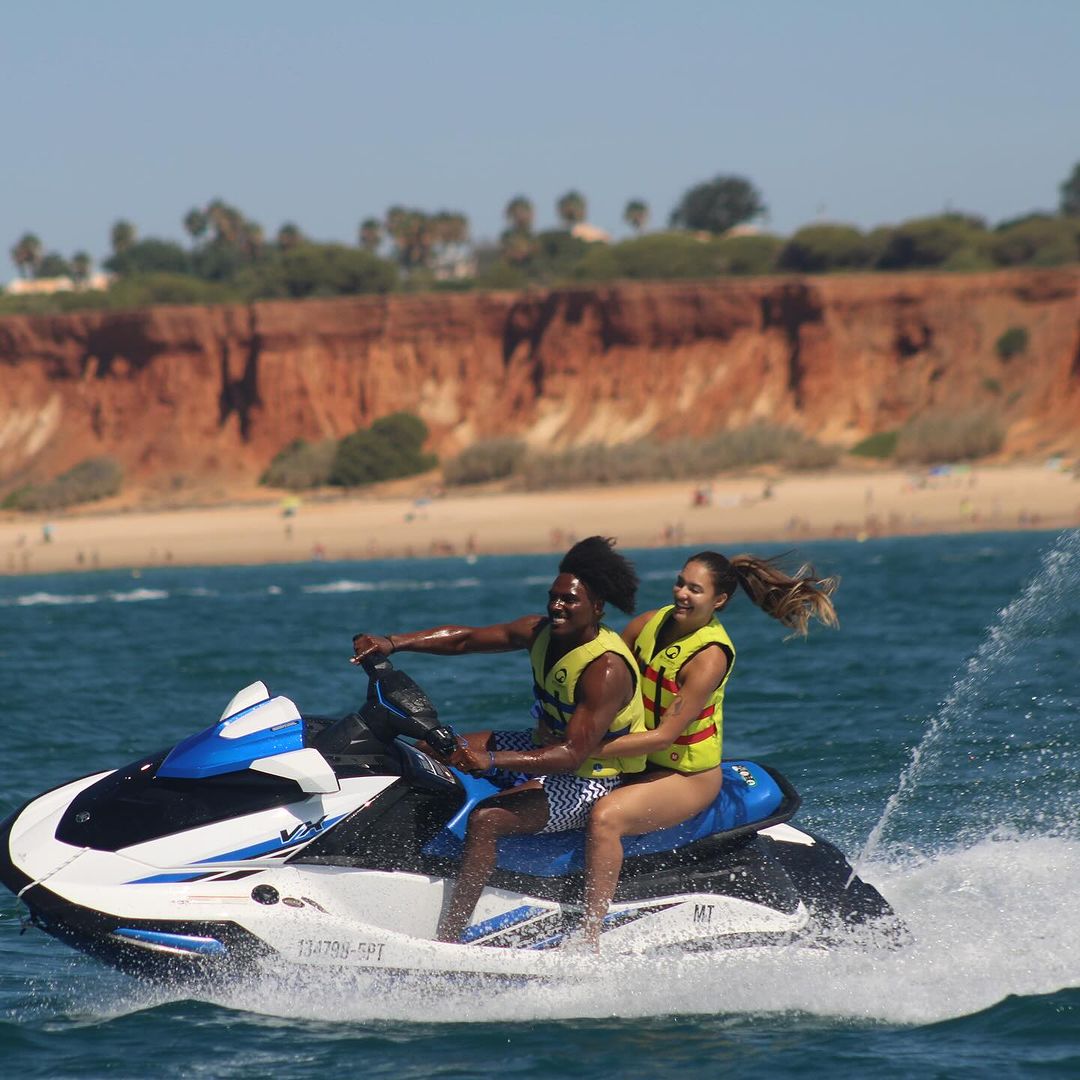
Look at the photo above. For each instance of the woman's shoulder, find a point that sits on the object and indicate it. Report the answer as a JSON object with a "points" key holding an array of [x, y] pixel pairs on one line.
{"points": [[637, 624]]}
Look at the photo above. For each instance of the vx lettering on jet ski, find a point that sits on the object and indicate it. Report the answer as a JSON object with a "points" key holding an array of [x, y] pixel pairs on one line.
{"points": [[302, 830]]}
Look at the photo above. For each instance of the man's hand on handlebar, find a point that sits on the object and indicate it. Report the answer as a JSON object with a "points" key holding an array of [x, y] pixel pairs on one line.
{"points": [[365, 645], [466, 758]]}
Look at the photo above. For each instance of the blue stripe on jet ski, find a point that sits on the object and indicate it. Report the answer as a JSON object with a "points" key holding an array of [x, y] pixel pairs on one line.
{"points": [[204, 946], [239, 855], [268, 846], [548, 942], [610, 922], [501, 922], [386, 704]]}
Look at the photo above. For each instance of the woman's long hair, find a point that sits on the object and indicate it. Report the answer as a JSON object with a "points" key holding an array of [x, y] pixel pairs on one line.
{"points": [[793, 599]]}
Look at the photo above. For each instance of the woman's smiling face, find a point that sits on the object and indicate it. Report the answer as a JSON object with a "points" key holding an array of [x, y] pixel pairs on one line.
{"points": [[695, 596]]}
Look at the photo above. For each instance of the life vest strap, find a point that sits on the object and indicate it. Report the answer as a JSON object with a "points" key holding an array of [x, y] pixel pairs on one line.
{"points": [[657, 677], [545, 698]]}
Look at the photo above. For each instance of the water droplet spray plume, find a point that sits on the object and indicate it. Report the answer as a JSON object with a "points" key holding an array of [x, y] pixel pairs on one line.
{"points": [[1057, 578]]}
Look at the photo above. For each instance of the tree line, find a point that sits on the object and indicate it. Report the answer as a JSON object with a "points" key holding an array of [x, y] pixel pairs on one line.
{"points": [[230, 258]]}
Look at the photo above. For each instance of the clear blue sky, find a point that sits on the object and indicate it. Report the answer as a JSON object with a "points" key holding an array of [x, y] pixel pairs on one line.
{"points": [[326, 112]]}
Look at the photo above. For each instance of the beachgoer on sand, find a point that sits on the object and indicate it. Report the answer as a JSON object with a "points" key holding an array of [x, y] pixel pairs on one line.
{"points": [[686, 658], [585, 685]]}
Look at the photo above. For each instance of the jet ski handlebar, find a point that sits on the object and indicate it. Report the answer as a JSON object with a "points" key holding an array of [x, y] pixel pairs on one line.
{"points": [[396, 705]]}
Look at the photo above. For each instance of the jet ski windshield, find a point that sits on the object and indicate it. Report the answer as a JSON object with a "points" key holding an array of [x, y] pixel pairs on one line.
{"points": [[135, 804]]}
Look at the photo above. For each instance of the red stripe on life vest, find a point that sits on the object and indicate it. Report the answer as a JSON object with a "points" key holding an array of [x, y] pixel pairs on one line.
{"points": [[698, 736], [668, 684]]}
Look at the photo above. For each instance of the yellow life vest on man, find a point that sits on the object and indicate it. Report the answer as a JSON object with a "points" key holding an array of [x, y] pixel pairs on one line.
{"points": [[698, 747], [554, 690]]}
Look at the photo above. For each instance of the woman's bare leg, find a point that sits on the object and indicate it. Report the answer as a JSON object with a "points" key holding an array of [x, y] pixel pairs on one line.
{"points": [[655, 801]]}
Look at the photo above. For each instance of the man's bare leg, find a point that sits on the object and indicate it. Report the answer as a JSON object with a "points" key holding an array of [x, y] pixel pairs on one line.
{"points": [[522, 810]]}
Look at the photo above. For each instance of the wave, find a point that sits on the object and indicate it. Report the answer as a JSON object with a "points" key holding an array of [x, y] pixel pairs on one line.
{"points": [[987, 923], [349, 586], [33, 599], [61, 599], [138, 595]]}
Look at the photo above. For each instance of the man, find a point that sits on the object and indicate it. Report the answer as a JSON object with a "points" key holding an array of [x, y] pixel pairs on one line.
{"points": [[585, 682]]}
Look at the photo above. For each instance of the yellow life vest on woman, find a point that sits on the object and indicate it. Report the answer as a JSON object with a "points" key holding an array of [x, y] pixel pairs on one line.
{"points": [[698, 747], [555, 688]]}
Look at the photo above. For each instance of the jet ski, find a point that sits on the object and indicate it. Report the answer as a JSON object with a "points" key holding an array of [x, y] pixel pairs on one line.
{"points": [[272, 837]]}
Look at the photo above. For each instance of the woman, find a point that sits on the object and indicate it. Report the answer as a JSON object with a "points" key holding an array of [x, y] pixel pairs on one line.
{"points": [[686, 657]]}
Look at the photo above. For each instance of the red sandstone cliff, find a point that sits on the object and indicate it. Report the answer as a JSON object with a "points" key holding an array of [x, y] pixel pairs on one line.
{"points": [[190, 392]]}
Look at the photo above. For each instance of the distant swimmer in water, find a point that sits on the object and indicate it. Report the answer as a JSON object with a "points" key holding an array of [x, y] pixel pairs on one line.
{"points": [[686, 657], [585, 685]]}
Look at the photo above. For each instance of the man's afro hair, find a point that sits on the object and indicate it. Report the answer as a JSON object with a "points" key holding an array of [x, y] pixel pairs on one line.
{"points": [[609, 576]]}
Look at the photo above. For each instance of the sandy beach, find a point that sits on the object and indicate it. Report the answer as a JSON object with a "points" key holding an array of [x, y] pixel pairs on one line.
{"points": [[728, 513]]}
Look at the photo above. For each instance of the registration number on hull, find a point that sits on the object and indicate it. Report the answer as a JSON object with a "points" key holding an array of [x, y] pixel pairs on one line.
{"points": [[359, 952]]}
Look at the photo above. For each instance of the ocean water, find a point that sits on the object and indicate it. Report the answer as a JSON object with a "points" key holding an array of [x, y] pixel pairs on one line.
{"points": [[933, 737]]}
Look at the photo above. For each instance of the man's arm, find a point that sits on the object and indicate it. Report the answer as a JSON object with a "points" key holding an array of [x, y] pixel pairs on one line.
{"points": [[451, 640], [603, 689]]}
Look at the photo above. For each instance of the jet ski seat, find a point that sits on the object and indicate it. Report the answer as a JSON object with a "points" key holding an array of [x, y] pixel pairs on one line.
{"points": [[749, 794]]}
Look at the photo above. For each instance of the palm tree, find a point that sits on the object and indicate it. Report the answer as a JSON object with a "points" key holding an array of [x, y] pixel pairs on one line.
{"points": [[413, 234], [122, 236], [226, 221], [519, 213], [252, 238], [26, 254], [289, 236], [571, 208], [451, 227], [636, 214], [1070, 193], [196, 222], [371, 234], [80, 267]]}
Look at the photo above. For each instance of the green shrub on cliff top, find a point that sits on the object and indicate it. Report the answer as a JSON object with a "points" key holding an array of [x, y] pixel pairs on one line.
{"points": [[755, 253], [659, 256], [318, 270], [1036, 240], [927, 243], [820, 248]]}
